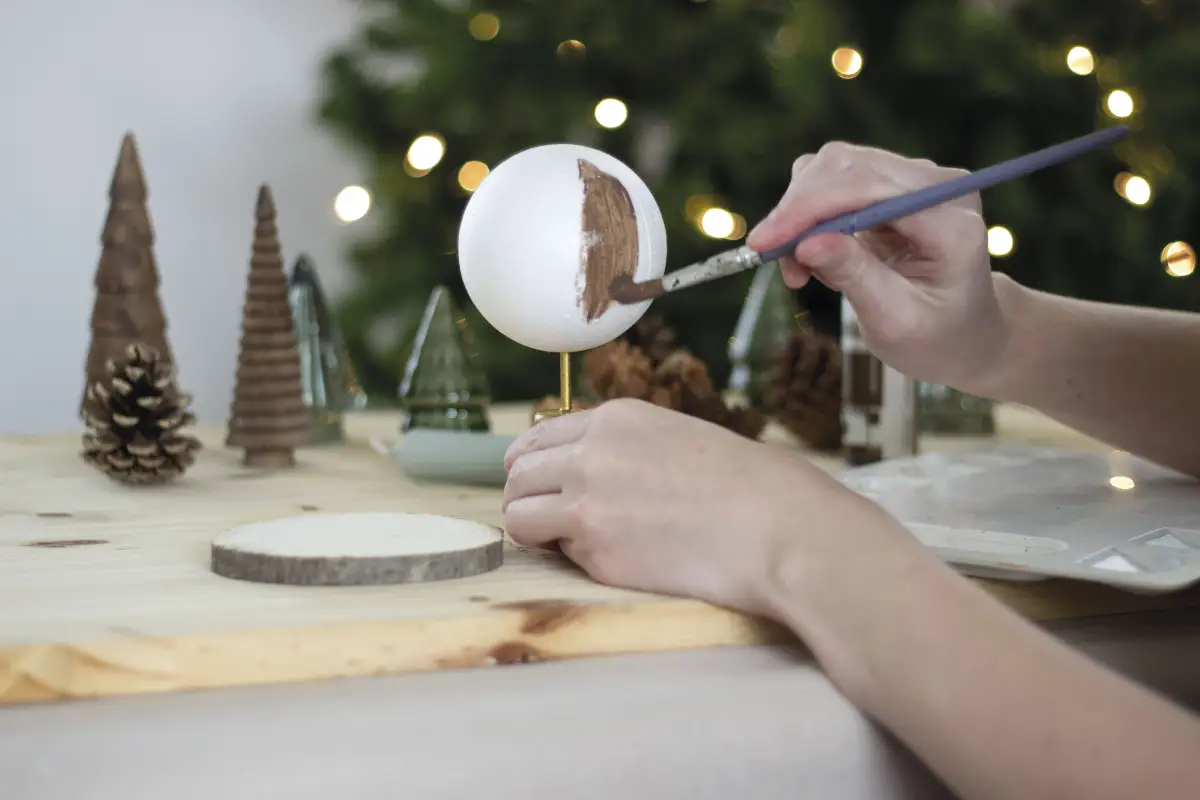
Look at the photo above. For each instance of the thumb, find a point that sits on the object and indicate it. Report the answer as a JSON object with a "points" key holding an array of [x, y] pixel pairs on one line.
{"points": [[846, 265]]}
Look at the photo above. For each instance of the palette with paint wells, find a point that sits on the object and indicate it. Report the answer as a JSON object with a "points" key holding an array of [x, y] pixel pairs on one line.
{"points": [[1020, 512]]}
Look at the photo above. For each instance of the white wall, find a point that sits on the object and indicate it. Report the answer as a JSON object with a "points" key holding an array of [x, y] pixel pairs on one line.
{"points": [[220, 94]]}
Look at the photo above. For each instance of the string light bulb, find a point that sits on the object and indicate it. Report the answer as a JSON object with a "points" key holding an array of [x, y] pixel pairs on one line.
{"points": [[1000, 241], [847, 62], [1119, 103], [717, 223], [425, 152], [611, 113], [1134, 188], [352, 203], [1080, 60], [484, 26], [571, 47], [1179, 258], [471, 174]]}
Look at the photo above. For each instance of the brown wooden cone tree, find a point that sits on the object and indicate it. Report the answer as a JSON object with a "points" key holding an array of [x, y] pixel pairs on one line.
{"points": [[269, 419], [127, 309]]}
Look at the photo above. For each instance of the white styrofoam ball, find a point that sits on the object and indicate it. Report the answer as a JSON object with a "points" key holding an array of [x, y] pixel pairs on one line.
{"points": [[522, 246]]}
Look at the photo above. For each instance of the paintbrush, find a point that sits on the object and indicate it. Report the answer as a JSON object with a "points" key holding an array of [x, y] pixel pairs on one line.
{"points": [[624, 290]]}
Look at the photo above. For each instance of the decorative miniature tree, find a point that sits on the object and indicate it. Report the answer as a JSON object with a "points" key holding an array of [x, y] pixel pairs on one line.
{"points": [[444, 385], [329, 384], [127, 310], [770, 318], [269, 419]]}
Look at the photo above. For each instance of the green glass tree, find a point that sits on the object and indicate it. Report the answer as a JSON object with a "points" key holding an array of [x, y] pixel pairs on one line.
{"points": [[444, 385], [948, 411], [769, 319], [329, 383]]}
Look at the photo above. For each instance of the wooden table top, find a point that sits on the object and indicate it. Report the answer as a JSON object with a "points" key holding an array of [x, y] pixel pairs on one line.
{"points": [[106, 590]]}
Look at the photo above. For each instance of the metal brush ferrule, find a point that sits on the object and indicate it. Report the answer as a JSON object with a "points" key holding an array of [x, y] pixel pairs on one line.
{"points": [[719, 266]]}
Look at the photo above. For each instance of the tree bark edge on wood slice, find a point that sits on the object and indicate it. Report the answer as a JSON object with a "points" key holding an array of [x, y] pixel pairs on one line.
{"points": [[357, 549]]}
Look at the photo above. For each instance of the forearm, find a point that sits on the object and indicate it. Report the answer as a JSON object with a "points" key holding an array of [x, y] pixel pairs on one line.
{"points": [[1127, 376], [991, 703]]}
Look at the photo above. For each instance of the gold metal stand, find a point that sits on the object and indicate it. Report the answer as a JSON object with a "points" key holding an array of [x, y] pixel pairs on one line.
{"points": [[564, 378]]}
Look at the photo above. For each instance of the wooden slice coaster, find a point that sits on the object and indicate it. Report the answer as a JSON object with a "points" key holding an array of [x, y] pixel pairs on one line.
{"points": [[357, 549]]}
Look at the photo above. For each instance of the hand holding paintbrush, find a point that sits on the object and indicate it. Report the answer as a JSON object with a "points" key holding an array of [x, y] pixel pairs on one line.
{"points": [[623, 290]]}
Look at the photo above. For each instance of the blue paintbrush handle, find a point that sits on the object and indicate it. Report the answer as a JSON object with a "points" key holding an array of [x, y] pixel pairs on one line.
{"points": [[890, 210]]}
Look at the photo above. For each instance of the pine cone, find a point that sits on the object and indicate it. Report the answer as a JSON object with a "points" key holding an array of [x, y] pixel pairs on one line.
{"points": [[746, 420], [618, 370], [804, 390], [653, 337], [135, 416], [681, 381]]}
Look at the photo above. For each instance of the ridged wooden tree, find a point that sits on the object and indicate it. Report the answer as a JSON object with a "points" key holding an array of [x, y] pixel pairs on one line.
{"points": [[268, 419], [127, 309]]}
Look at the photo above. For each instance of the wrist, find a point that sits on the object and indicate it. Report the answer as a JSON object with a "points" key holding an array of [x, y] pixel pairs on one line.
{"points": [[997, 375], [829, 573]]}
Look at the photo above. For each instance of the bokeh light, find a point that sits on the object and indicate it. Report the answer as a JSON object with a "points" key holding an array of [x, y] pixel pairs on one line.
{"points": [[847, 62], [571, 47], [1179, 258], [1119, 103], [717, 223], [471, 174], [484, 27], [1081, 61], [1133, 188], [352, 203], [1000, 241], [425, 152], [611, 112]]}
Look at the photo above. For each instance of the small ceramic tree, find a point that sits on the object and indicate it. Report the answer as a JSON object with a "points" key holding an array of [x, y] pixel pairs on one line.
{"points": [[444, 385], [127, 309], [268, 419], [330, 385], [767, 323]]}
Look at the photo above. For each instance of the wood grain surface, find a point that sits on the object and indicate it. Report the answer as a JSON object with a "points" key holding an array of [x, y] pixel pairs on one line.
{"points": [[107, 590]]}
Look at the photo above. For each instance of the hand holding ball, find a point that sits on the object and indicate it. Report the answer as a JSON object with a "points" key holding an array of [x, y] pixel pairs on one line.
{"points": [[545, 235]]}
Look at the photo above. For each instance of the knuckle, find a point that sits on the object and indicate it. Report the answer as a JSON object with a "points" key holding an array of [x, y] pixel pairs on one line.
{"points": [[838, 154], [621, 409], [800, 163], [970, 232], [836, 149], [532, 440], [516, 474]]}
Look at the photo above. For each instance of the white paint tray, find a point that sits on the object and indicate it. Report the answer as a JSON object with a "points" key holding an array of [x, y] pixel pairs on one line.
{"points": [[1019, 512]]}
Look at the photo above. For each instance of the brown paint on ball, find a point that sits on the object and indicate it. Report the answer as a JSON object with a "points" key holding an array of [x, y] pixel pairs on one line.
{"points": [[624, 290], [610, 238]]}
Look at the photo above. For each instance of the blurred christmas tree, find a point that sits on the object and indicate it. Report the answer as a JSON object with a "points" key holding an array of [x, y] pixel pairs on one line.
{"points": [[711, 101]]}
